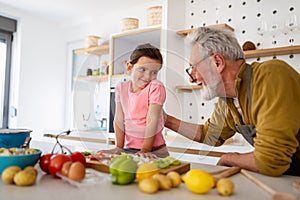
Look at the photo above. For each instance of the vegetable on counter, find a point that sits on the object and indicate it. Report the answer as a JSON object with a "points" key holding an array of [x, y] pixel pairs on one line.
{"points": [[166, 162], [123, 169]]}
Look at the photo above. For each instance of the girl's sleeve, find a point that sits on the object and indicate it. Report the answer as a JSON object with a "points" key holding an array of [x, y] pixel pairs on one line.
{"points": [[157, 92]]}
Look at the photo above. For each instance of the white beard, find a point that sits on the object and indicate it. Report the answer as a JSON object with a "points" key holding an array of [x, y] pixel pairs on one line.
{"points": [[208, 92], [214, 89]]}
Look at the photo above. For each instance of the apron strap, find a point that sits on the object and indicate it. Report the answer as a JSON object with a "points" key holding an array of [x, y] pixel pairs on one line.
{"points": [[248, 83], [248, 130]]}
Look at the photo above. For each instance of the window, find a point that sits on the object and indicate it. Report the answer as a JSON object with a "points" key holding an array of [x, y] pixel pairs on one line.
{"points": [[7, 28]]}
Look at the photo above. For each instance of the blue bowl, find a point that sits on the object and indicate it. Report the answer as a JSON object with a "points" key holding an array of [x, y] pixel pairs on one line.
{"points": [[13, 137], [19, 160]]}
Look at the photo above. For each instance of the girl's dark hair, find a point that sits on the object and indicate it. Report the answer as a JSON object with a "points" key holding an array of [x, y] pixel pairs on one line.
{"points": [[146, 50]]}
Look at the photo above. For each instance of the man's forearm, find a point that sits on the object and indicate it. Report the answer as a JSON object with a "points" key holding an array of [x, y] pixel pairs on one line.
{"points": [[189, 130], [243, 160]]}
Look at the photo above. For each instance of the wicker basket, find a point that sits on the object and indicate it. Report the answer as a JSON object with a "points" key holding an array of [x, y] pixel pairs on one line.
{"points": [[154, 14], [91, 41], [130, 23]]}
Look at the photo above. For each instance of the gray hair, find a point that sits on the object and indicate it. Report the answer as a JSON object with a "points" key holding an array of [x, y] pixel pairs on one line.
{"points": [[212, 40]]}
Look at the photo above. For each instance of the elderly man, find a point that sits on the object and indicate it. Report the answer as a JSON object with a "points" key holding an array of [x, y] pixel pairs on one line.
{"points": [[261, 101]]}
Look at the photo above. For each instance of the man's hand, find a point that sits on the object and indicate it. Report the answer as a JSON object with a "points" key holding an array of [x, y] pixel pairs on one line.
{"points": [[227, 159], [243, 160]]}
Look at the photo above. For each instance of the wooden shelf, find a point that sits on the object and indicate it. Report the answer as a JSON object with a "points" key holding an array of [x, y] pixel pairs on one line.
{"points": [[272, 51], [119, 75], [100, 78], [187, 31], [101, 50], [188, 88]]}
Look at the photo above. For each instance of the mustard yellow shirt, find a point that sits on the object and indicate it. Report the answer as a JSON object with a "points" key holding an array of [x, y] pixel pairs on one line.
{"points": [[275, 90]]}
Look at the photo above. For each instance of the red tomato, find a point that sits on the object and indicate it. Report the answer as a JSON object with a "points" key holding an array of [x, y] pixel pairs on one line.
{"points": [[56, 163], [78, 156], [44, 162]]}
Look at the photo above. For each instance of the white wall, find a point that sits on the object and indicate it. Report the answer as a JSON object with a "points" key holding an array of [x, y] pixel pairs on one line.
{"points": [[39, 70]]}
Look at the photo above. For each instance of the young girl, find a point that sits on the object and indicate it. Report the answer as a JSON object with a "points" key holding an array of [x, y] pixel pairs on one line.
{"points": [[138, 121]]}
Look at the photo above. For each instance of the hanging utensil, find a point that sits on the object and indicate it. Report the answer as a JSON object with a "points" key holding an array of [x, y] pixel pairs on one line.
{"points": [[25, 145]]}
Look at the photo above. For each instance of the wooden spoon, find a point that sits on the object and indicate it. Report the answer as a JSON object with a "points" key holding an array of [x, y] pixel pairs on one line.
{"points": [[275, 195], [224, 173]]}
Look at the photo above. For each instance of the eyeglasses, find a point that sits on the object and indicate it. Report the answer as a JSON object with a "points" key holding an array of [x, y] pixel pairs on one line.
{"points": [[189, 72], [190, 69]]}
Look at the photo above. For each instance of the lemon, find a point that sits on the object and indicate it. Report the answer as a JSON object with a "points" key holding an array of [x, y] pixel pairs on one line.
{"points": [[198, 181], [146, 170]]}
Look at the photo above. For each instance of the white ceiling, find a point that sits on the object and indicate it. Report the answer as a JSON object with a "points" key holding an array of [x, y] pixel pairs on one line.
{"points": [[70, 10]]}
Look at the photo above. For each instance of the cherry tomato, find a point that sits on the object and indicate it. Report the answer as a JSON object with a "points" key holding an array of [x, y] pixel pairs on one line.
{"points": [[56, 163], [78, 156], [44, 162]]}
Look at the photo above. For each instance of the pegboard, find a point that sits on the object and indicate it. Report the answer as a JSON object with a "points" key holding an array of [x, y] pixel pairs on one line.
{"points": [[246, 17]]}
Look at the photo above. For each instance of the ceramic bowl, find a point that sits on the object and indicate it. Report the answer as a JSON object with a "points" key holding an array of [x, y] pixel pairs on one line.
{"points": [[19, 160]]}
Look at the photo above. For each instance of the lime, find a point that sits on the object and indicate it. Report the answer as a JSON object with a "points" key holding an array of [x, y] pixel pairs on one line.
{"points": [[198, 181]]}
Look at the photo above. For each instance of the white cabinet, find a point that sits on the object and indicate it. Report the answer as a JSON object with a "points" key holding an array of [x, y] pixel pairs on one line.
{"points": [[90, 93], [122, 45]]}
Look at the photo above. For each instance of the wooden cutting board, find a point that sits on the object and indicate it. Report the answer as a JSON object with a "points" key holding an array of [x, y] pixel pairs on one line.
{"points": [[96, 165], [182, 168]]}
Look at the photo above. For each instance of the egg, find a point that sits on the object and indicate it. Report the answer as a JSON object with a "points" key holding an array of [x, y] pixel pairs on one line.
{"points": [[76, 171], [65, 168]]}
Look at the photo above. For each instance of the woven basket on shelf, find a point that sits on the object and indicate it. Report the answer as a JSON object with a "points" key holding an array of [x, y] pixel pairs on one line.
{"points": [[91, 41], [154, 15], [130, 23]]}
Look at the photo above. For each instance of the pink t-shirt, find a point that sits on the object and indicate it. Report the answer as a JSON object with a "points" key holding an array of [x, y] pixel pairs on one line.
{"points": [[135, 107]]}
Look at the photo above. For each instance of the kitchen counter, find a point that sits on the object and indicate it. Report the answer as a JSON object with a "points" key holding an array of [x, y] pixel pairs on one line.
{"points": [[50, 188]]}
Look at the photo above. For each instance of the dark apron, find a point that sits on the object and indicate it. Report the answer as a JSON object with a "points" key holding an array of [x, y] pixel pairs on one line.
{"points": [[249, 132]]}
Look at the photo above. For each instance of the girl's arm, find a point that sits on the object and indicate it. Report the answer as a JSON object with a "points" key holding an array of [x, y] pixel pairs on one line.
{"points": [[119, 126], [119, 130], [151, 127]]}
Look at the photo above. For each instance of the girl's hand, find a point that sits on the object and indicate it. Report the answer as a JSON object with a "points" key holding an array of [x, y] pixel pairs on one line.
{"points": [[146, 154], [115, 150]]}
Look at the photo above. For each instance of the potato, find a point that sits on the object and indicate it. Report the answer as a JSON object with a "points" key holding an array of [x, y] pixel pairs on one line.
{"points": [[31, 169], [175, 178], [165, 182], [149, 185], [225, 187], [24, 178], [9, 173]]}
